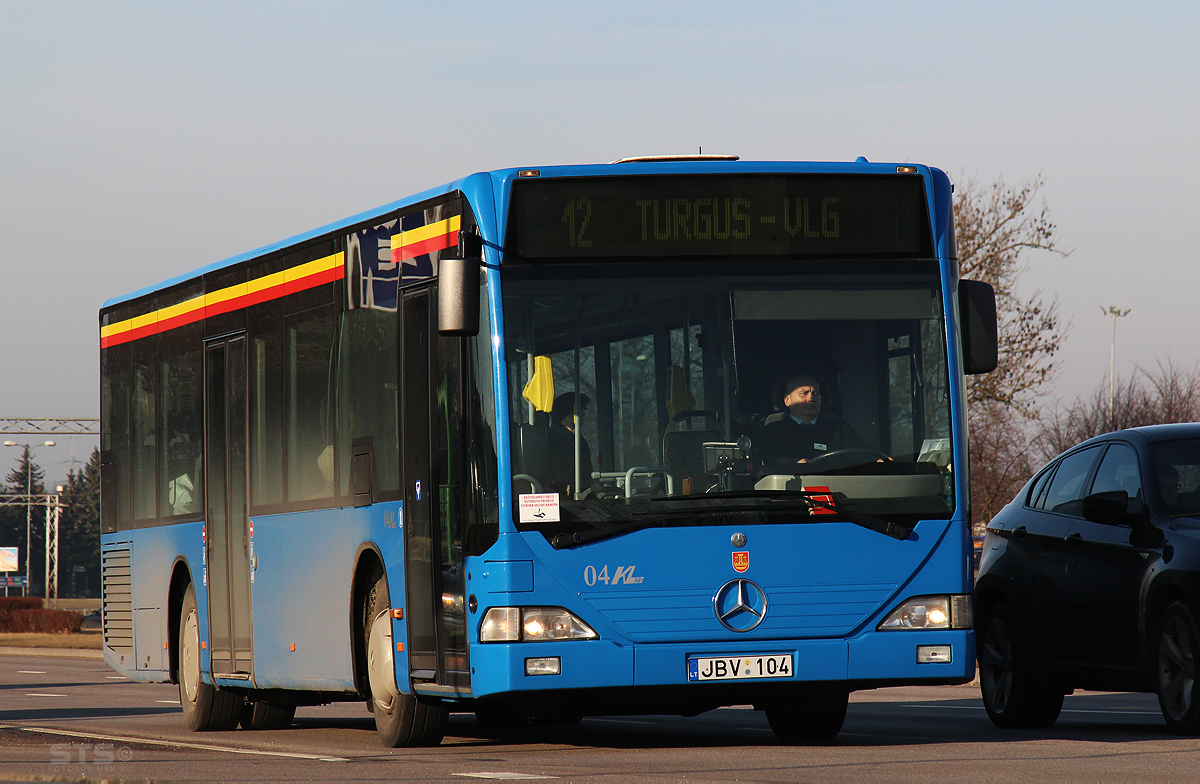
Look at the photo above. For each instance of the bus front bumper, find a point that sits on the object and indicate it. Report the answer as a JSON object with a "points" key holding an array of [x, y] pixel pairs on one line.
{"points": [[873, 659]]}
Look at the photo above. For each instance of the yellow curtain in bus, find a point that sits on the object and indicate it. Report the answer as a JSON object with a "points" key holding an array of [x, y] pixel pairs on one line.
{"points": [[679, 397], [540, 389]]}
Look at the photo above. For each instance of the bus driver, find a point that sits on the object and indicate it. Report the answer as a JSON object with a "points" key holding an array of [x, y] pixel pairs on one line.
{"points": [[804, 433]]}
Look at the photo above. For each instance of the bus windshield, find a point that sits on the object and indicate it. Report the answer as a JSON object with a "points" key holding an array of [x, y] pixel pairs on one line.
{"points": [[649, 395]]}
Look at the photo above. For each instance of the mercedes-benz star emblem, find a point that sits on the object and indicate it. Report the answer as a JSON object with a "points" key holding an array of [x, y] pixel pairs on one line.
{"points": [[738, 539], [740, 605]]}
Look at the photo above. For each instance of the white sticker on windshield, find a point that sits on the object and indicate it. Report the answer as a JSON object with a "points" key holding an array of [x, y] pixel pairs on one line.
{"points": [[538, 507]]}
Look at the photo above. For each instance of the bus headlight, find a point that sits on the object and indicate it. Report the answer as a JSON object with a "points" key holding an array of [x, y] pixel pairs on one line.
{"points": [[533, 624], [931, 612]]}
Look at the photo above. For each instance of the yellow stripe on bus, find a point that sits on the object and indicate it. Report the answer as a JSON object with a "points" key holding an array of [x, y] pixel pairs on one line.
{"points": [[312, 268], [224, 295], [413, 236]]}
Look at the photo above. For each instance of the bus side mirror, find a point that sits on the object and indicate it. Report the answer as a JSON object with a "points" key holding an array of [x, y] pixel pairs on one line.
{"points": [[458, 297], [978, 327]]}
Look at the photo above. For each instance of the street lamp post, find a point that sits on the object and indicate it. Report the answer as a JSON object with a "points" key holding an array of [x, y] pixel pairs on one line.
{"points": [[1116, 313], [28, 507]]}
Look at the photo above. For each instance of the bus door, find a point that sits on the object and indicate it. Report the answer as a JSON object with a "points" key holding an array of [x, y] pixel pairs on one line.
{"points": [[434, 500], [227, 521]]}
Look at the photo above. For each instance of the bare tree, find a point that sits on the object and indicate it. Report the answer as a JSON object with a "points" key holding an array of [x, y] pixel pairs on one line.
{"points": [[1165, 393], [1001, 459], [994, 226]]}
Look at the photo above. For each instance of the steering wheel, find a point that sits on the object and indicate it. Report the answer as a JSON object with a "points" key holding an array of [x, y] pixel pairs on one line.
{"points": [[844, 458]]}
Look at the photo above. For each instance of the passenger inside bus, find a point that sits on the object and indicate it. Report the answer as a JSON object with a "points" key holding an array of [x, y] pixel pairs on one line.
{"points": [[561, 446]]}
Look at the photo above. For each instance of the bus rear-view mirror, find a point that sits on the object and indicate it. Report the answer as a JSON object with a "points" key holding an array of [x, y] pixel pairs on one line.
{"points": [[458, 297], [977, 323]]}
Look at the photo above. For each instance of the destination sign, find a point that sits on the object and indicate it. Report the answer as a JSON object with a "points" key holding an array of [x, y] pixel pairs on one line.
{"points": [[868, 216]]}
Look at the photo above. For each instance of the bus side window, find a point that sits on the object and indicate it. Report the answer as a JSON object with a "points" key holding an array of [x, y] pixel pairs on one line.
{"points": [[367, 399], [181, 428], [114, 438], [311, 469], [266, 392], [144, 412]]}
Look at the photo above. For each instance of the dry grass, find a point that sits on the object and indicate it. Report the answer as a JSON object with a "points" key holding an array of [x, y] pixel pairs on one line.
{"points": [[93, 640]]}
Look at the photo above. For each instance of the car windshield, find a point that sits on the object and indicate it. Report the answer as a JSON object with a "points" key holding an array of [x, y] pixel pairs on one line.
{"points": [[689, 381], [1177, 476]]}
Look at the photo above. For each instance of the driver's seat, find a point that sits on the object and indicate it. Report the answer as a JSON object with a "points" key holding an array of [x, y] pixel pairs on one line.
{"points": [[683, 445]]}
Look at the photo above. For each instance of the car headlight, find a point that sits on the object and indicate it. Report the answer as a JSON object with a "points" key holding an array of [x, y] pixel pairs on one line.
{"points": [[931, 612], [533, 624]]}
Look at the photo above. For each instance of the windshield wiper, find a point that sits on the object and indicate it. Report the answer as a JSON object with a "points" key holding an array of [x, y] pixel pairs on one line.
{"points": [[877, 524], [887, 528], [577, 538]]}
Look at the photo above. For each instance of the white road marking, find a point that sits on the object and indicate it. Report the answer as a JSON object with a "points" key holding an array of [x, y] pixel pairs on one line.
{"points": [[40, 694], [171, 743], [169, 702], [31, 672], [502, 775], [1064, 710], [115, 677]]}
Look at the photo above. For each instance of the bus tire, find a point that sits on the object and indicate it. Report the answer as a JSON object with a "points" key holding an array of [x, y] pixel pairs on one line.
{"points": [[205, 707], [1177, 659], [401, 719], [1014, 694], [818, 717], [262, 715]]}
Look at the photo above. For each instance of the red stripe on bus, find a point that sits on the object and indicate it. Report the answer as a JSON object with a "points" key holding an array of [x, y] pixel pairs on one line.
{"points": [[228, 306], [438, 242], [311, 281], [191, 317]]}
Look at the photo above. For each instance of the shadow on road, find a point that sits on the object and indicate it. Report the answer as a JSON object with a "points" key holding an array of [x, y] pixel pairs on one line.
{"points": [[58, 714]]}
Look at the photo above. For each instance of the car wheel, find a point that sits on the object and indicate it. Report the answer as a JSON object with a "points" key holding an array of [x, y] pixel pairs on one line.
{"points": [[1014, 695], [818, 717], [1178, 648]]}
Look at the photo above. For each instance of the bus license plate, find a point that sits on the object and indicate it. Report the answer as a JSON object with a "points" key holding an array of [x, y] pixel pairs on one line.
{"points": [[730, 668]]}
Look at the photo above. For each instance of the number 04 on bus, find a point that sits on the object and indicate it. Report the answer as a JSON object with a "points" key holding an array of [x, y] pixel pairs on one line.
{"points": [[655, 436]]}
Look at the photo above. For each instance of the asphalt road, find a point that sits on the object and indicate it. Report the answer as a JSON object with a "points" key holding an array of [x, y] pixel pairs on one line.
{"points": [[72, 719]]}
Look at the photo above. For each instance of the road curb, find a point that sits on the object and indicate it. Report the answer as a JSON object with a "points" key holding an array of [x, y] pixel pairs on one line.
{"points": [[59, 653]]}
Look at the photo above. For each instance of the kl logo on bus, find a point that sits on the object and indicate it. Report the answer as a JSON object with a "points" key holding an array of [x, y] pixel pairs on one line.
{"points": [[741, 561]]}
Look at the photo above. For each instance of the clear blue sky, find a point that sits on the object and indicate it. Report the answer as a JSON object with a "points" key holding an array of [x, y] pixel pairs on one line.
{"points": [[139, 140]]}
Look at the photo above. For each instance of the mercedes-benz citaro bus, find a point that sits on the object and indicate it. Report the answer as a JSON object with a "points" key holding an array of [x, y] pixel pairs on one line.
{"points": [[531, 446]]}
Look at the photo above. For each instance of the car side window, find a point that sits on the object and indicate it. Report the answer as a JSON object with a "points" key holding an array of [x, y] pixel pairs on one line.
{"points": [[1119, 471], [1037, 493], [1066, 488]]}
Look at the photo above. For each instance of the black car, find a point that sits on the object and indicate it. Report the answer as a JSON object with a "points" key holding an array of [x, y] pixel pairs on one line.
{"points": [[1090, 579]]}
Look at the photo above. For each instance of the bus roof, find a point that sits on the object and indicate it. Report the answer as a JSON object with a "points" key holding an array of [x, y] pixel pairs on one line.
{"points": [[500, 178]]}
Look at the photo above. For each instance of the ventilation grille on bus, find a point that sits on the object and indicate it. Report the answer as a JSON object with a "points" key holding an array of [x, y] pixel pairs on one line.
{"points": [[118, 601]]}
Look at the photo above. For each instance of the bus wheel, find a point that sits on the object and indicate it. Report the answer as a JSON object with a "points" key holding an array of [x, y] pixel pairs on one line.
{"points": [[205, 707], [1178, 652], [819, 717], [261, 715], [1013, 694], [401, 719]]}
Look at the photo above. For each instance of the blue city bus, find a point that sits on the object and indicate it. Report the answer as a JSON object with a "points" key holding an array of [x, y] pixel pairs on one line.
{"points": [[511, 447]]}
